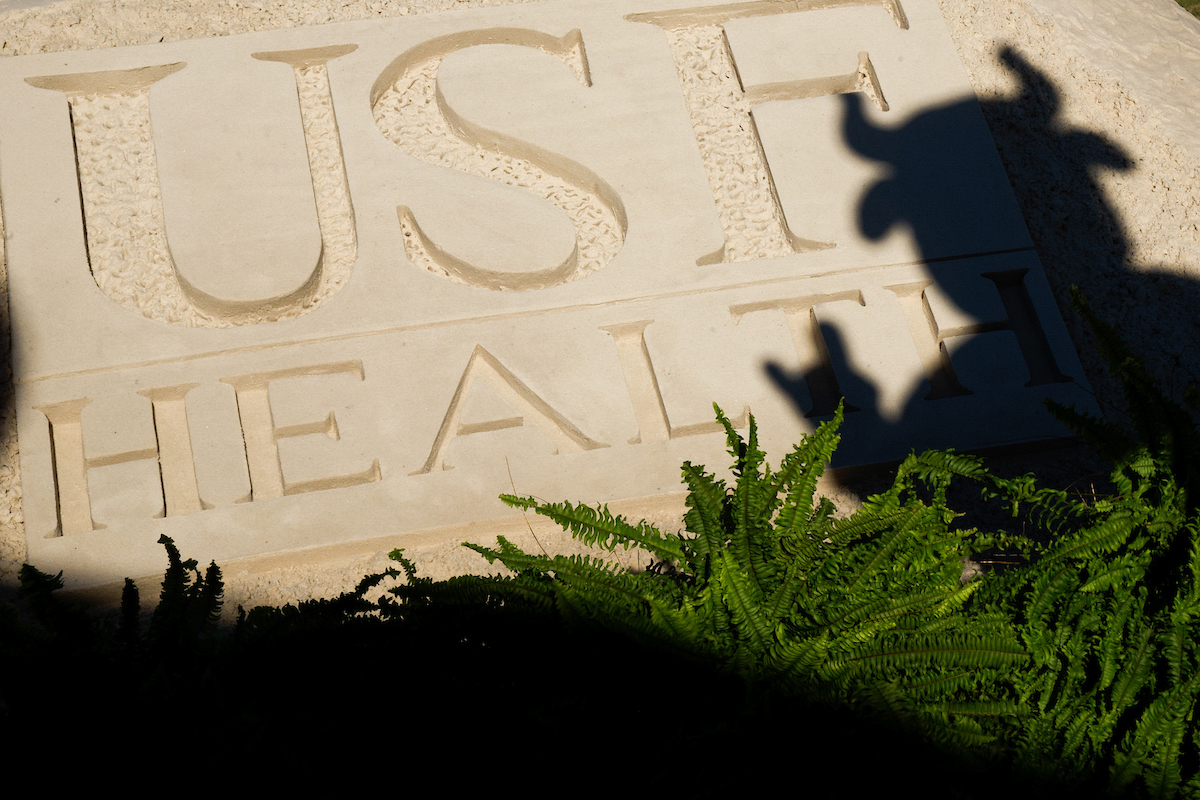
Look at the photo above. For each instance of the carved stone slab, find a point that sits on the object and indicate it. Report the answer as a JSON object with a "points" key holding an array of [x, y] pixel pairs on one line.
{"points": [[289, 288]]}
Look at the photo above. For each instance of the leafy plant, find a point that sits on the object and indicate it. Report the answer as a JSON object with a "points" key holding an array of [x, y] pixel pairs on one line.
{"points": [[184, 618], [769, 584], [1108, 609], [189, 606], [1082, 662]]}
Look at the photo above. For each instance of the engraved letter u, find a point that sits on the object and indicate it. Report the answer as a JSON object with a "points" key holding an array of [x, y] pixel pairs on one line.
{"points": [[122, 200]]}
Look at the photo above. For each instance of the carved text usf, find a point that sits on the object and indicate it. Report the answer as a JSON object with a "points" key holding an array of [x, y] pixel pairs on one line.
{"points": [[673, 197]]}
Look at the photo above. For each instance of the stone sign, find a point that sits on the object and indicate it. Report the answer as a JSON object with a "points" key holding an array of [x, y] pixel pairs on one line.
{"points": [[295, 287]]}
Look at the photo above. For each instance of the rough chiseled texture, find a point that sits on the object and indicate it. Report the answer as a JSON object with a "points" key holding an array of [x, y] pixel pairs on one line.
{"points": [[126, 233], [12, 527], [407, 113], [335, 216], [1121, 69], [88, 24], [1111, 198], [118, 179], [1158, 66], [751, 218]]}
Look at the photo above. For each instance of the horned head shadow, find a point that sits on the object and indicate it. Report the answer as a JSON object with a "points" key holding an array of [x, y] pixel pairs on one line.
{"points": [[934, 173], [930, 188]]}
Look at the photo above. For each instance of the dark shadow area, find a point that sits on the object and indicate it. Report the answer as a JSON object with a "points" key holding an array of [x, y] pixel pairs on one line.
{"points": [[841, 382], [9, 480], [1052, 168], [927, 164], [929, 191], [939, 181], [462, 697], [475, 696]]}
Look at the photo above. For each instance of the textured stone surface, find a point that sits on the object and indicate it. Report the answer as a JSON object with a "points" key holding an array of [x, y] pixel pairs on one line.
{"points": [[643, 373]]}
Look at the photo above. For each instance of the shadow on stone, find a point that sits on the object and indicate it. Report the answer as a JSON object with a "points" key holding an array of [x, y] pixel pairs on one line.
{"points": [[927, 190]]}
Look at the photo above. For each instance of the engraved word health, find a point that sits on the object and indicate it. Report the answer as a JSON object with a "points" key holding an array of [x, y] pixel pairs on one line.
{"points": [[294, 288]]}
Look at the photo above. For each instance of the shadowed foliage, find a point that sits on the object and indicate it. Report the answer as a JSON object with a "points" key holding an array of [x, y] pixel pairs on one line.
{"points": [[772, 631]]}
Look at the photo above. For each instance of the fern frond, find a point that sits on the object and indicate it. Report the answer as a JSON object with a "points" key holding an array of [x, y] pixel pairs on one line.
{"points": [[783, 597], [410, 569], [600, 577], [1050, 586], [1114, 636], [864, 524], [574, 608], [681, 625], [1121, 572], [128, 630], [888, 609], [798, 657], [1164, 774], [510, 556], [1174, 642], [1162, 721], [947, 684], [753, 501], [1104, 538], [1135, 674], [1109, 439], [705, 516], [981, 622], [884, 656], [910, 521], [746, 456], [529, 591], [1075, 738], [206, 600], [172, 597], [939, 464], [744, 602], [800, 472], [598, 526], [984, 708]]}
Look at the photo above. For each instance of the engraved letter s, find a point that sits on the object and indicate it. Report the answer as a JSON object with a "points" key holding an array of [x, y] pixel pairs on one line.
{"points": [[412, 113]]}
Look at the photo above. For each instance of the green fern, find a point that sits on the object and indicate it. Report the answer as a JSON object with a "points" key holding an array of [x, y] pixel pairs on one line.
{"points": [[1106, 609], [768, 584], [1080, 661]]}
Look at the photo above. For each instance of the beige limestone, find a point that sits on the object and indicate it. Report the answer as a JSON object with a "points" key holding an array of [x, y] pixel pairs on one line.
{"points": [[331, 406]]}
